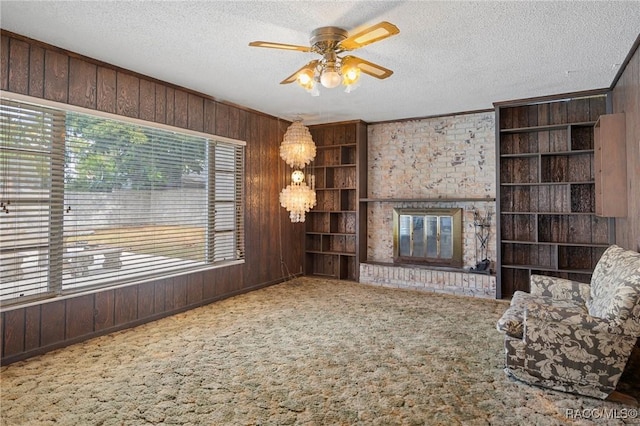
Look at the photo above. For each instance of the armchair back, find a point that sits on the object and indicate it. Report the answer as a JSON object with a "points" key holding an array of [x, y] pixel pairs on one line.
{"points": [[615, 289]]}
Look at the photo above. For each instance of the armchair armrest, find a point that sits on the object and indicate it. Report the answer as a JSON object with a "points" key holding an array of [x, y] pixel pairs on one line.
{"points": [[560, 288], [566, 346], [572, 317]]}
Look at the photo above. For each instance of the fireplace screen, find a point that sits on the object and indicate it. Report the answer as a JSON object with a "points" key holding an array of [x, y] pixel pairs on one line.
{"points": [[432, 236]]}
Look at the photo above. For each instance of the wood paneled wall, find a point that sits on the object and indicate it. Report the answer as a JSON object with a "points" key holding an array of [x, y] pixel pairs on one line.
{"points": [[33, 68], [626, 99]]}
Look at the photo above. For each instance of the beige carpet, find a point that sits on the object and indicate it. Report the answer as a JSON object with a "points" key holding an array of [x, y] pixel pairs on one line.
{"points": [[308, 351]]}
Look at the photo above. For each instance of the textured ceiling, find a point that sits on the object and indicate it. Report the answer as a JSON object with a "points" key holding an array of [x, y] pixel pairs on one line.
{"points": [[449, 56]]}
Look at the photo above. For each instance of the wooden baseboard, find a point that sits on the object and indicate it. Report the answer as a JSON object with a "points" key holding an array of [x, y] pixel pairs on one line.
{"points": [[622, 398]]}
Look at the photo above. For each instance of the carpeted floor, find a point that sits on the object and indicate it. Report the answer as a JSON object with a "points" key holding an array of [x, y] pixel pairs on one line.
{"points": [[308, 351]]}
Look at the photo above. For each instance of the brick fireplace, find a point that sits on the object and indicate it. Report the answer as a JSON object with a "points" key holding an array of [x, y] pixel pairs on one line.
{"points": [[443, 164]]}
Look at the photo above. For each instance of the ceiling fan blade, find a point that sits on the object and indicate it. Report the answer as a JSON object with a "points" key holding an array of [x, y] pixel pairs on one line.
{"points": [[370, 68], [272, 45], [374, 33], [293, 76]]}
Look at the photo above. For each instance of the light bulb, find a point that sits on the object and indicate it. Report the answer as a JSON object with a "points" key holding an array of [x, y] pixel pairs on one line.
{"points": [[297, 176], [351, 75], [305, 77], [330, 78]]}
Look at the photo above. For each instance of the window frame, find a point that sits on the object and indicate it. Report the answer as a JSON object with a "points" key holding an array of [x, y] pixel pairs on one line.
{"points": [[54, 288]]}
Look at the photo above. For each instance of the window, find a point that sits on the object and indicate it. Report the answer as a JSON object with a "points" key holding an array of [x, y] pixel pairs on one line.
{"points": [[92, 200], [432, 236]]}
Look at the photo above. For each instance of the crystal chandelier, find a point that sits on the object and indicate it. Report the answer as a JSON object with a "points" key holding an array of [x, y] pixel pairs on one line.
{"points": [[298, 150], [297, 198]]}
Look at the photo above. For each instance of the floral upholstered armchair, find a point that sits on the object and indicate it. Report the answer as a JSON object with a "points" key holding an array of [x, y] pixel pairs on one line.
{"points": [[576, 337]]}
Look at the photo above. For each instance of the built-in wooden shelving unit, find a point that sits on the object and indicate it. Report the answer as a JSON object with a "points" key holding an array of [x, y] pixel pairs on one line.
{"points": [[332, 240], [546, 194]]}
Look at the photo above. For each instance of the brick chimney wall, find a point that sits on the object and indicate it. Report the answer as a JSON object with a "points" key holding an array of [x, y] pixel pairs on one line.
{"points": [[442, 157]]}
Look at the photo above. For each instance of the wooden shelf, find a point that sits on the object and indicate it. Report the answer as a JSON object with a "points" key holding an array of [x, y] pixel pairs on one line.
{"points": [[335, 146], [332, 166], [544, 268], [548, 213], [331, 252], [586, 182], [329, 233], [332, 239], [520, 155], [555, 244], [546, 192], [547, 154], [423, 200], [530, 129]]}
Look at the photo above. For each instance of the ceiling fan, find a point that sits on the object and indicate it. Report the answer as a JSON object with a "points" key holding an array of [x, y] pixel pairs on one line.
{"points": [[332, 69]]}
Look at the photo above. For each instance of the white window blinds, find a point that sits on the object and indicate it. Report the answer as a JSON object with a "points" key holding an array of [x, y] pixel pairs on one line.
{"points": [[123, 202], [31, 139], [228, 228]]}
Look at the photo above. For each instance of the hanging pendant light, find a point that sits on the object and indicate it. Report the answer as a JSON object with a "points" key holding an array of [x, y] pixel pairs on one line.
{"points": [[298, 198], [298, 150]]}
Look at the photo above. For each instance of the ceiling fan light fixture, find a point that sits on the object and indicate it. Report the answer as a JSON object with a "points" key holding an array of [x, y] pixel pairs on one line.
{"points": [[305, 78], [350, 72], [332, 69], [330, 78], [351, 75]]}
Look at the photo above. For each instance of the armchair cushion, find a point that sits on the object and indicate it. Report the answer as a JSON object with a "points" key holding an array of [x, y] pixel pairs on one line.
{"points": [[559, 288], [615, 288], [576, 317]]}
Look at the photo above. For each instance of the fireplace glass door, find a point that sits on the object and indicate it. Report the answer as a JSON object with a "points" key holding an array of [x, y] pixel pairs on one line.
{"points": [[428, 236]]}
